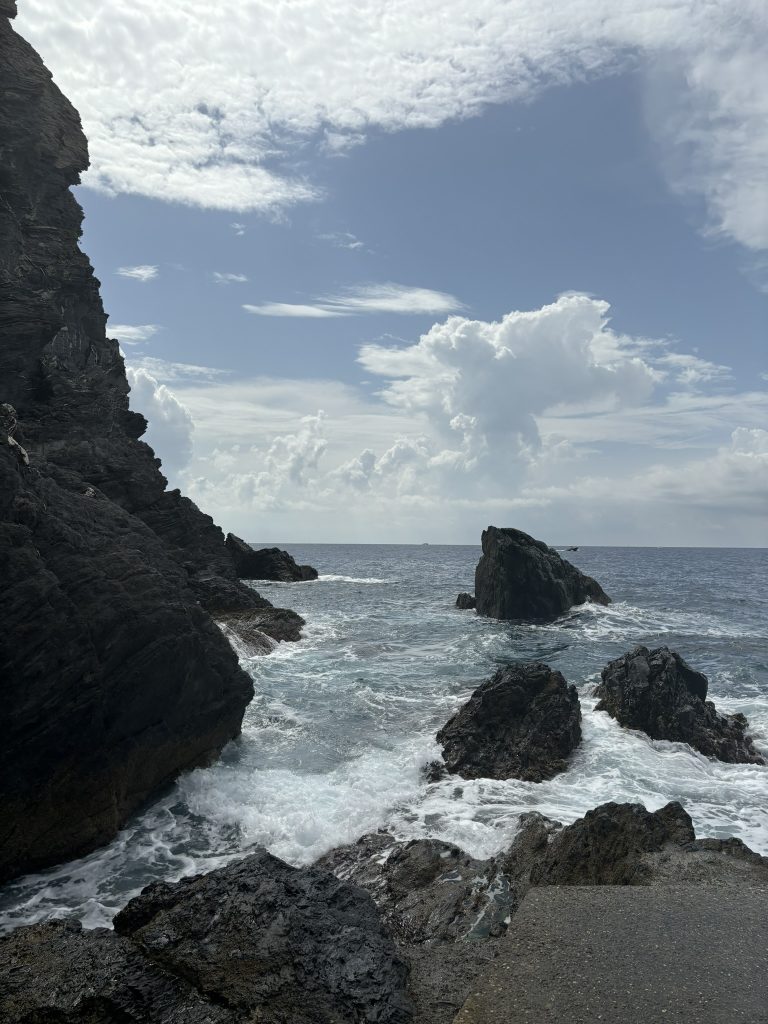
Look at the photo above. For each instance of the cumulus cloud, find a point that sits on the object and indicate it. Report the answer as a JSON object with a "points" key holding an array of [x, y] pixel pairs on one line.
{"points": [[145, 272], [260, 78], [133, 334], [170, 422], [547, 419], [369, 298]]}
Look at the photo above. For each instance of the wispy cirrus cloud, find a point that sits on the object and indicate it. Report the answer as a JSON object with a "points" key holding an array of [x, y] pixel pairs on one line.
{"points": [[132, 334], [366, 299], [222, 278], [143, 272]]}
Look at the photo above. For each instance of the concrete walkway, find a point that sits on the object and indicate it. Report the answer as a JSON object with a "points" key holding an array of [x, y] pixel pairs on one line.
{"points": [[630, 955]]}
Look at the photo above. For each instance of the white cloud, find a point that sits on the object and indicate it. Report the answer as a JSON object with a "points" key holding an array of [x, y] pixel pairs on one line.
{"points": [[145, 272], [238, 228], [546, 419], [260, 78], [170, 422], [371, 298], [342, 240], [132, 334], [290, 309], [223, 278]]}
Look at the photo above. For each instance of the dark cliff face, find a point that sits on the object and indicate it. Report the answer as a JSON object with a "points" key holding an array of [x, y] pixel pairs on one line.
{"points": [[113, 677]]}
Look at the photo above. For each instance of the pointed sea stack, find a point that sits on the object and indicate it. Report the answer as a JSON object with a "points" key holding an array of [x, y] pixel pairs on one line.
{"points": [[523, 579]]}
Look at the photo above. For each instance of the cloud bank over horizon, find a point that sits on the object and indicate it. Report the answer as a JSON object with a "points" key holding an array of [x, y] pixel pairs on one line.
{"points": [[229, 132], [516, 421]]}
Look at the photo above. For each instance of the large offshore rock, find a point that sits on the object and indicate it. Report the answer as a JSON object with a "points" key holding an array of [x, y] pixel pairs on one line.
{"points": [[255, 941], [521, 578], [523, 723], [266, 563], [112, 676], [657, 692]]}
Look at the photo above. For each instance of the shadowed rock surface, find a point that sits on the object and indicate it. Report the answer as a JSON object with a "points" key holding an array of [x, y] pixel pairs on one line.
{"points": [[522, 723], [657, 692], [465, 601], [112, 676], [266, 563], [449, 913], [255, 941], [521, 578]]}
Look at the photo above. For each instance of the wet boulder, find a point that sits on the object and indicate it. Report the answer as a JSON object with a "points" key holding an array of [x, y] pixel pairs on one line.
{"points": [[523, 723], [266, 563], [523, 579], [465, 601], [658, 693]]}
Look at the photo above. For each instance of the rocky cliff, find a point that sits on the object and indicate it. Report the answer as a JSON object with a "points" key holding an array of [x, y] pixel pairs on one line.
{"points": [[113, 676]]}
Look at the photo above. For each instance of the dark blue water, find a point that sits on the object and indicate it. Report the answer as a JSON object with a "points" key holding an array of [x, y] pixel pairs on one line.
{"points": [[341, 723]]}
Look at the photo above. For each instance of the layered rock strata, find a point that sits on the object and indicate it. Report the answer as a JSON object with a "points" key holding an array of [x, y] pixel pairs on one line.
{"points": [[266, 563], [657, 692], [112, 675], [522, 723], [523, 579], [257, 940]]}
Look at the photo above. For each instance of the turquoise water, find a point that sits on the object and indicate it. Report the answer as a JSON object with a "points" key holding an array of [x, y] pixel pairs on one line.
{"points": [[342, 722]]}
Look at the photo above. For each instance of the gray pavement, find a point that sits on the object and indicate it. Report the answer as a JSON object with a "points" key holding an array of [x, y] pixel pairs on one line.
{"points": [[630, 955]]}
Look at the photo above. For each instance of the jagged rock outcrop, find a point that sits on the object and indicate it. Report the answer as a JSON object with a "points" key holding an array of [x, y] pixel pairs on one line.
{"points": [[113, 677], [522, 723], [448, 911], [257, 940], [521, 578], [266, 563], [657, 692], [465, 601]]}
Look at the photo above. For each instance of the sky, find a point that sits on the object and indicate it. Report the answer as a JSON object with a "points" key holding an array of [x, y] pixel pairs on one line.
{"points": [[388, 271]]}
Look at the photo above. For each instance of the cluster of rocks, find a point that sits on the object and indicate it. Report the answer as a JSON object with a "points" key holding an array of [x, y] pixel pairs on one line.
{"points": [[266, 563], [380, 931], [115, 675]]}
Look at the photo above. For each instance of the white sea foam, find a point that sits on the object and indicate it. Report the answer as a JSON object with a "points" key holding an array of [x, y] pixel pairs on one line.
{"points": [[343, 721]]}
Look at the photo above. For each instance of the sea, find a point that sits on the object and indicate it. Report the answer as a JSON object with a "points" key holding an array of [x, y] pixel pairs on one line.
{"points": [[342, 723]]}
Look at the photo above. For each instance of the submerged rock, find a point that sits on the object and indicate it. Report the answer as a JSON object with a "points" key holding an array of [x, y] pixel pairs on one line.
{"points": [[523, 723], [266, 563], [255, 941], [114, 677], [521, 578], [465, 601], [657, 692]]}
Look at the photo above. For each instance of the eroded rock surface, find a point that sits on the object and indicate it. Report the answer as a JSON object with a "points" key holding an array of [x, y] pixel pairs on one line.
{"points": [[266, 563], [465, 601], [255, 941], [523, 723], [521, 578], [657, 692], [448, 911], [113, 677]]}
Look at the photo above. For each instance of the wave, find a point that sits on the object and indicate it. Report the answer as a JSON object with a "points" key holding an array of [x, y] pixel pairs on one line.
{"points": [[335, 578]]}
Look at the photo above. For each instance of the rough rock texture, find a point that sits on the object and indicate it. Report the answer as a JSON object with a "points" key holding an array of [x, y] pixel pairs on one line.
{"points": [[255, 941], [112, 676], [521, 578], [448, 912], [465, 600], [266, 563], [660, 694], [522, 723]]}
